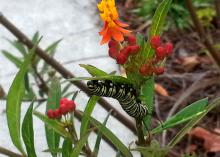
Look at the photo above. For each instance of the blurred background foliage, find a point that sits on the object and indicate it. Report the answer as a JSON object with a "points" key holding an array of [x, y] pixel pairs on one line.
{"points": [[178, 16]]}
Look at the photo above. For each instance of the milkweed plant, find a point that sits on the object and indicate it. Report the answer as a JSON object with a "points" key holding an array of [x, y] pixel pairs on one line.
{"points": [[143, 58]]}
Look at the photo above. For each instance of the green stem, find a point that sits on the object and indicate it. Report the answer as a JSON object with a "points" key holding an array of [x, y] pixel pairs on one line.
{"points": [[140, 133]]}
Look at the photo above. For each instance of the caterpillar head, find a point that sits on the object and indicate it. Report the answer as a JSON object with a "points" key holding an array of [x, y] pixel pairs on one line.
{"points": [[92, 84]]}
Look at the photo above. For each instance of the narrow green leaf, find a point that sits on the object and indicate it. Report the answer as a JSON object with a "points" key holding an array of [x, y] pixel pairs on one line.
{"points": [[157, 24], [12, 58], [28, 132], [109, 135], [88, 111], [191, 123], [147, 93], [99, 136], [184, 115], [66, 148], [51, 49], [35, 37], [14, 99], [160, 17], [78, 147], [154, 150], [93, 71], [117, 79], [19, 46], [53, 124], [54, 97]]}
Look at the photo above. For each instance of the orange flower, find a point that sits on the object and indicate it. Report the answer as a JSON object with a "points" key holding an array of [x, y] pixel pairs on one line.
{"points": [[113, 28]]}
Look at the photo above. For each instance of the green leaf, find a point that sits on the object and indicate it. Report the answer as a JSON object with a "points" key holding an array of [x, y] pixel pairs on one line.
{"points": [[157, 25], [160, 17], [111, 137], [66, 148], [99, 136], [53, 124], [79, 145], [35, 37], [88, 111], [117, 79], [28, 132], [12, 58], [154, 150], [14, 99], [93, 71], [51, 49], [54, 97], [147, 95], [191, 123], [19, 46], [184, 115]]}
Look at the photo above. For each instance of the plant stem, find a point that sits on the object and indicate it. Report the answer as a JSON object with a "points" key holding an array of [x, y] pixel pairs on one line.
{"points": [[213, 52], [140, 133], [9, 153], [217, 8], [64, 72]]}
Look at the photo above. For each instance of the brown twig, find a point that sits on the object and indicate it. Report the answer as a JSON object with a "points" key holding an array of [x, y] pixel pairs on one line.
{"points": [[203, 36], [9, 153], [63, 71], [217, 8], [42, 85]]}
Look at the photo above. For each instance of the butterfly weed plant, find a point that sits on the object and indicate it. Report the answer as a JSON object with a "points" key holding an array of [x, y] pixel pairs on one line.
{"points": [[143, 60]]}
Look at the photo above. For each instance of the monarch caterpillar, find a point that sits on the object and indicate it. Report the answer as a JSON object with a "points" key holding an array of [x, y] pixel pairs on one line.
{"points": [[124, 93]]}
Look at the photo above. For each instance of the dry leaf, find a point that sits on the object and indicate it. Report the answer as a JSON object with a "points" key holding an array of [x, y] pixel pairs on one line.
{"points": [[211, 141], [190, 62], [161, 90]]}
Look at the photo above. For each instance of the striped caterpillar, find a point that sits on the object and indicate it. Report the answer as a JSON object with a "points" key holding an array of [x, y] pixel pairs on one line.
{"points": [[124, 93]]}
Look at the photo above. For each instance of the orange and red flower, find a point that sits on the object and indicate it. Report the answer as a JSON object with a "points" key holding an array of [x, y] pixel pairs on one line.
{"points": [[113, 27]]}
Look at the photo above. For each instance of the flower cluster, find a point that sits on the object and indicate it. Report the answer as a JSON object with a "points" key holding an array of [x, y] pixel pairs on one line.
{"points": [[161, 52], [113, 27], [65, 107], [122, 52]]}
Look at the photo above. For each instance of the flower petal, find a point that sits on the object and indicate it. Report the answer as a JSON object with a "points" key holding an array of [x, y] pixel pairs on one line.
{"points": [[106, 37], [104, 29], [121, 23], [124, 31], [116, 34]]}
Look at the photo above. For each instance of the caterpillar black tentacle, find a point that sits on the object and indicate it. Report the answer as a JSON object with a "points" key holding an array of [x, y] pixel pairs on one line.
{"points": [[124, 93]]}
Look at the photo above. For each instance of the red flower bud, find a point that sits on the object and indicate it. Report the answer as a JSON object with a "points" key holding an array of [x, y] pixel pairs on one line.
{"points": [[125, 51], [131, 40], [57, 113], [113, 52], [50, 114], [159, 70], [63, 109], [160, 52], [63, 101], [133, 49], [145, 70], [155, 41], [71, 105], [122, 58], [169, 48], [113, 43]]}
